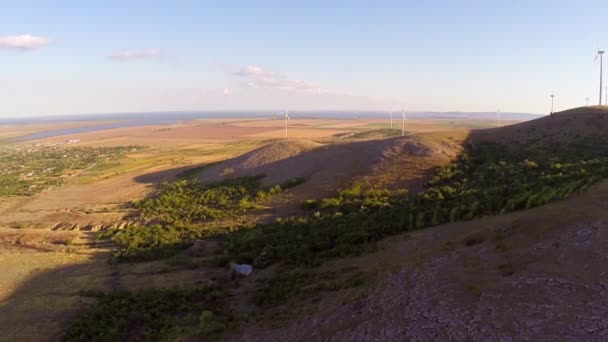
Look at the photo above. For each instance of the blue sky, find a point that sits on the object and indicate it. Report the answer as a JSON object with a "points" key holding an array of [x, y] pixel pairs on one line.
{"points": [[72, 57]]}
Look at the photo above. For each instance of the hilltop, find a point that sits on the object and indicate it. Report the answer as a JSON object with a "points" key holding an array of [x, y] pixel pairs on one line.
{"points": [[561, 128], [326, 168]]}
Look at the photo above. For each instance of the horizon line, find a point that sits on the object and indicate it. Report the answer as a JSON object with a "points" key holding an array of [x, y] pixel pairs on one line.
{"points": [[374, 111]]}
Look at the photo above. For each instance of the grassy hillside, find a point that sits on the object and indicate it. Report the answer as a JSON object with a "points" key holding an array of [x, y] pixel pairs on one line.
{"points": [[498, 171], [526, 274], [577, 129]]}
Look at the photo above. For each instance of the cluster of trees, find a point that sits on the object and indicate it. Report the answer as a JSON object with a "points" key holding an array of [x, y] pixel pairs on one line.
{"points": [[186, 202], [357, 197], [186, 210]]}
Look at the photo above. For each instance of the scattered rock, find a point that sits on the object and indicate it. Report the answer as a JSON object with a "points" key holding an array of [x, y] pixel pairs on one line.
{"points": [[241, 270]]}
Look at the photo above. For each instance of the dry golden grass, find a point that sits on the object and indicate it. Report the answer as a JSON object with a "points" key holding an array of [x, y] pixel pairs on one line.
{"points": [[32, 237], [39, 290]]}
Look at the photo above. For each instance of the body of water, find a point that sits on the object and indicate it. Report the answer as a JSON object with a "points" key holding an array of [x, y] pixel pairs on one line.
{"points": [[93, 128]]}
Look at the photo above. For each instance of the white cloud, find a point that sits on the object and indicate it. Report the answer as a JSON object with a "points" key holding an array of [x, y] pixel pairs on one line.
{"points": [[135, 55], [258, 78], [23, 42]]}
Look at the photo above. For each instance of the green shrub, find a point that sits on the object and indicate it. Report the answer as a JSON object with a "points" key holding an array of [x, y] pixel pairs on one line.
{"points": [[310, 204], [183, 211], [330, 203]]}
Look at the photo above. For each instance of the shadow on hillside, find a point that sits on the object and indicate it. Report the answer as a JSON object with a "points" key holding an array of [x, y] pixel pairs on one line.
{"points": [[50, 299], [168, 175]]}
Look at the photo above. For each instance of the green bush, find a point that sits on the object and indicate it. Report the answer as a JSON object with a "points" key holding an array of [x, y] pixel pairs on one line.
{"points": [[310, 204], [185, 210], [188, 202]]}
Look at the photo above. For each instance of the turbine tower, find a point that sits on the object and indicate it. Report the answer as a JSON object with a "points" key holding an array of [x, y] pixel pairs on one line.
{"points": [[498, 118], [587, 101], [286, 113], [391, 114], [553, 96], [403, 122], [600, 53]]}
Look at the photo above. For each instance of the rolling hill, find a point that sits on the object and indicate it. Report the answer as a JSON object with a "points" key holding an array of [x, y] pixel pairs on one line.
{"points": [[394, 162], [536, 274], [567, 127]]}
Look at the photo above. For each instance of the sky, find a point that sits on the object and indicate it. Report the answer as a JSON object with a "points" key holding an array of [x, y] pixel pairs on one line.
{"points": [[76, 57]]}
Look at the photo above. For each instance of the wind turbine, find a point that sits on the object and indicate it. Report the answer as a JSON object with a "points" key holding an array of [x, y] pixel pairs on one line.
{"points": [[391, 113], [498, 118], [587, 101], [286, 116], [552, 97], [600, 53], [403, 122]]}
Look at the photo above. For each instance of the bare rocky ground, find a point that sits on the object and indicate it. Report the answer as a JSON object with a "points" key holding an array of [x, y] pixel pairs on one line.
{"points": [[427, 304]]}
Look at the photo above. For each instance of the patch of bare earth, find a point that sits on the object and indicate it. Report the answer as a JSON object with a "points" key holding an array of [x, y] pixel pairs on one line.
{"points": [[75, 205]]}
